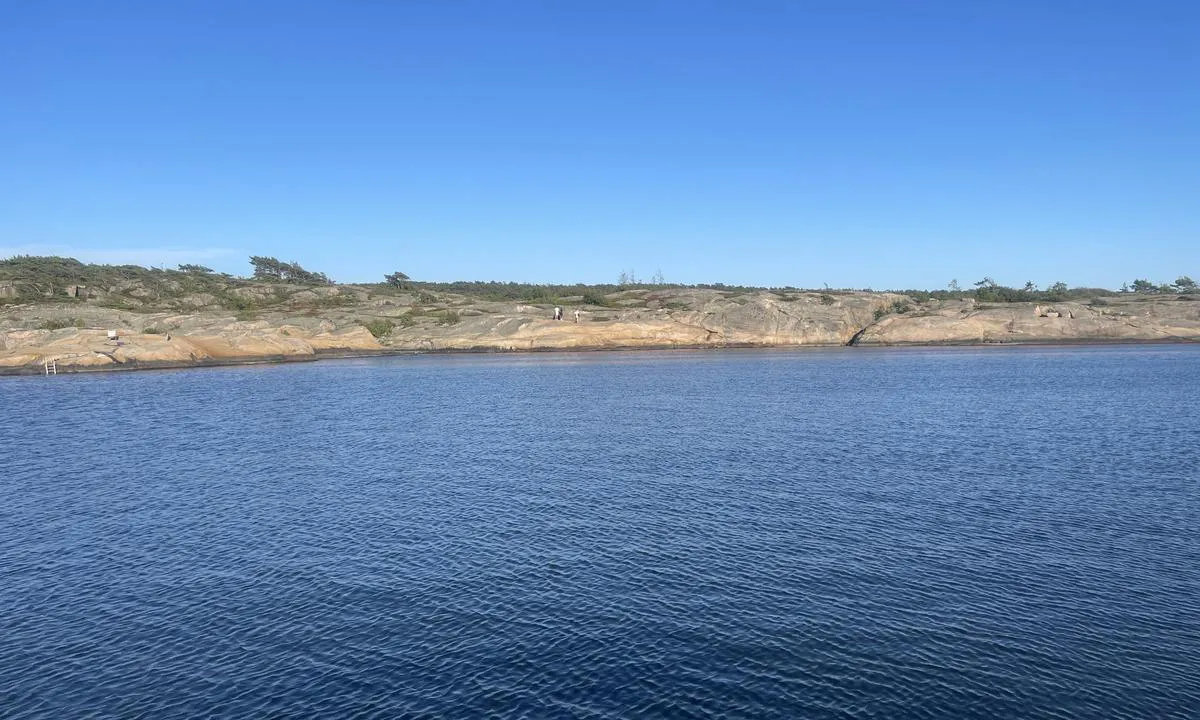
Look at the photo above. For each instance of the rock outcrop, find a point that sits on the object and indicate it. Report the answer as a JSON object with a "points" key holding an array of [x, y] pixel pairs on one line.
{"points": [[92, 349], [681, 318], [965, 322], [341, 321]]}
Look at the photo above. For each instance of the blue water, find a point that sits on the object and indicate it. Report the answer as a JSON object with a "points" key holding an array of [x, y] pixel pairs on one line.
{"points": [[849, 533]]}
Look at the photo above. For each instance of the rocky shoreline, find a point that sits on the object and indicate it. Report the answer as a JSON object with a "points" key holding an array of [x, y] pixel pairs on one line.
{"points": [[355, 321]]}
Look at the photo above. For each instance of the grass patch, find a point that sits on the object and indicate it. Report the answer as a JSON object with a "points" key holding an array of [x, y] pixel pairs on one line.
{"points": [[827, 299], [116, 302], [449, 317], [330, 301], [60, 323]]}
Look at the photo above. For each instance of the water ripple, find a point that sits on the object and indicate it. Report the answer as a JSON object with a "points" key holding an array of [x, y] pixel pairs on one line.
{"points": [[870, 534]]}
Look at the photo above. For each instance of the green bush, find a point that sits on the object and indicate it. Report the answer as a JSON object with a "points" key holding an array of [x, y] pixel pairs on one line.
{"points": [[379, 327], [450, 317], [594, 298], [230, 301]]}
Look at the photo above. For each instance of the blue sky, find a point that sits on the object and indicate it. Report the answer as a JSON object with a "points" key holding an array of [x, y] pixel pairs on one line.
{"points": [[849, 143]]}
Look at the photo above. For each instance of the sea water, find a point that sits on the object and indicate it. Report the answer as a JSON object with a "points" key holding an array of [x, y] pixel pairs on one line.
{"points": [[988, 532]]}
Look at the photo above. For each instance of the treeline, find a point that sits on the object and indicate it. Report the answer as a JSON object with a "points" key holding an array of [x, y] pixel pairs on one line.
{"points": [[38, 276], [69, 271], [269, 269], [525, 292], [62, 270], [989, 291], [1182, 285], [49, 273]]}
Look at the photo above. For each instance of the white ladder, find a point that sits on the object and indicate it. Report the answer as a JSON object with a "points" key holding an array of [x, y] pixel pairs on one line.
{"points": [[50, 365]]}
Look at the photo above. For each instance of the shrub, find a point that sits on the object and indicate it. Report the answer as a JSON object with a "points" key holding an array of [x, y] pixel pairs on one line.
{"points": [[379, 327], [827, 299], [450, 317], [594, 298], [231, 301], [898, 306]]}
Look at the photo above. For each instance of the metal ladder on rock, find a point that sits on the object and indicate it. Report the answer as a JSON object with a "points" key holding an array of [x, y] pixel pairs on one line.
{"points": [[51, 365]]}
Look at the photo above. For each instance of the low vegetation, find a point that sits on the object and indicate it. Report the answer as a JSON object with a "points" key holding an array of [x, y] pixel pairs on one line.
{"points": [[898, 306], [1182, 285], [380, 327], [60, 323], [277, 285]]}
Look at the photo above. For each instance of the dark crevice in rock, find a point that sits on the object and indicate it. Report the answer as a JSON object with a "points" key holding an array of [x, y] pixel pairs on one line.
{"points": [[855, 337]]}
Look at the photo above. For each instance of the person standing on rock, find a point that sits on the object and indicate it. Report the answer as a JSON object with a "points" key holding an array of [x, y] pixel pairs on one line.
{"points": [[576, 316], [557, 313]]}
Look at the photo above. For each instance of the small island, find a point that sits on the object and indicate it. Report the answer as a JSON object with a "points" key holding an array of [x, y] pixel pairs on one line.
{"points": [[60, 315]]}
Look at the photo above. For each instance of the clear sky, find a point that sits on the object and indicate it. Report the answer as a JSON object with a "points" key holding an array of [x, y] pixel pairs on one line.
{"points": [[852, 143]]}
